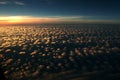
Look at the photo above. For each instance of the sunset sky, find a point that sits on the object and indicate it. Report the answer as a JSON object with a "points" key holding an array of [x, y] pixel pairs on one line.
{"points": [[55, 11]]}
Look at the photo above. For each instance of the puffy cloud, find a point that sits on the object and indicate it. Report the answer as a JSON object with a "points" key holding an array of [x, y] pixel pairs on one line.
{"points": [[1, 56], [9, 61]]}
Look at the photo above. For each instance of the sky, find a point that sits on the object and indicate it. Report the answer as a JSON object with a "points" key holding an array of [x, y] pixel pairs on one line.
{"points": [[55, 11]]}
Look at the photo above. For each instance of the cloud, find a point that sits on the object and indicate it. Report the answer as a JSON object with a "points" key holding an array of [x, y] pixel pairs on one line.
{"points": [[70, 17], [19, 3], [3, 2], [12, 2]]}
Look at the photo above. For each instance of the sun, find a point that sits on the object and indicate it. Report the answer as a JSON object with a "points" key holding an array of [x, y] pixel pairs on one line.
{"points": [[14, 19]]}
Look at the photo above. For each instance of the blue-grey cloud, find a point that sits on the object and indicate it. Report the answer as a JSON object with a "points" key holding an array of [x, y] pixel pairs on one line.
{"points": [[11, 2], [19, 3], [3, 2]]}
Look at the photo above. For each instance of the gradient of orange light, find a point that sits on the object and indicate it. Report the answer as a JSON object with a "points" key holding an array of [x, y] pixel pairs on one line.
{"points": [[32, 20], [26, 19]]}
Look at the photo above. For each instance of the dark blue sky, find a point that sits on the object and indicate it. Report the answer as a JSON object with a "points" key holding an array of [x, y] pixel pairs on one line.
{"points": [[90, 9]]}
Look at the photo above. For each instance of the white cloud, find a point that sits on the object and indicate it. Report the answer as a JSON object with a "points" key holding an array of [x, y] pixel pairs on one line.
{"points": [[19, 3]]}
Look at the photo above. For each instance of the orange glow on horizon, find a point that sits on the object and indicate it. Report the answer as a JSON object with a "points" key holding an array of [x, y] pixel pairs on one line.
{"points": [[14, 19], [59, 19], [25, 19], [11, 20]]}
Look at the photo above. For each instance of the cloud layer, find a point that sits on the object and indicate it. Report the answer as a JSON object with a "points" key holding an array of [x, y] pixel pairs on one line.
{"points": [[11, 2]]}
